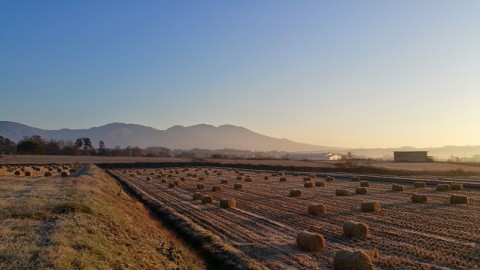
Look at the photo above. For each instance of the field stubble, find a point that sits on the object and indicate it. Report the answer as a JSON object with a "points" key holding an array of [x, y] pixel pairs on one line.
{"points": [[265, 222]]}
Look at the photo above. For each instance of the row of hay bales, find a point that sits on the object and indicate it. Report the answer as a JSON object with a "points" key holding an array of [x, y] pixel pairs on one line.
{"points": [[207, 199], [343, 259], [49, 170]]}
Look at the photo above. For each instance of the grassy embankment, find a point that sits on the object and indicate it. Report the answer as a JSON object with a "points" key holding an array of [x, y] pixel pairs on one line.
{"points": [[84, 222]]}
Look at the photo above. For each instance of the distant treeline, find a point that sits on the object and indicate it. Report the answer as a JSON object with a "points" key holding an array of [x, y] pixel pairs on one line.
{"points": [[36, 145]]}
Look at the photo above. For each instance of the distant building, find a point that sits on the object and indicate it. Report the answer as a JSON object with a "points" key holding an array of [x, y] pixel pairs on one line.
{"points": [[334, 156], [410, 156]]}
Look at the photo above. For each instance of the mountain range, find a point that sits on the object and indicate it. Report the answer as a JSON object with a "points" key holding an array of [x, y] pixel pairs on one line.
{"points": [[177, 137], [205, 136]]}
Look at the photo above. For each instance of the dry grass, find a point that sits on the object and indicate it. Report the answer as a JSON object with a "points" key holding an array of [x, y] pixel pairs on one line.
{"points": [[419, 185], [295, 193], [84, 222], [370, 206], [458, 199], [355, 229], [397, 188], [361, 190], [228, 203], [443, 187], [316, 209], [311, 241], [342, 192], [345, 259], [419, 198]]}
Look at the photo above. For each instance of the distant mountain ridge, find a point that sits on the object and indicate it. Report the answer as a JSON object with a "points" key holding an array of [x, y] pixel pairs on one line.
{"points": [[209, 137], [177, 137]]}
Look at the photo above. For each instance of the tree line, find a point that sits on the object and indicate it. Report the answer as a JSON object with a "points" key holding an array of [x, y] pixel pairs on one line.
{"points": [[36, 145]]}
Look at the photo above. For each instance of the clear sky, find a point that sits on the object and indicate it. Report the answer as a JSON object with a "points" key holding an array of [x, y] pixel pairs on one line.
{"points": [[337, 73]]}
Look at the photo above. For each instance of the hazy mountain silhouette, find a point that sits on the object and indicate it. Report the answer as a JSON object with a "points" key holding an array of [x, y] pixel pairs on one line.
{"points": [[177, 137]]}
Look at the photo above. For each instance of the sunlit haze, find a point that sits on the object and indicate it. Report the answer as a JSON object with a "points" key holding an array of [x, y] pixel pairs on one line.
{"points": [[336, 73]]}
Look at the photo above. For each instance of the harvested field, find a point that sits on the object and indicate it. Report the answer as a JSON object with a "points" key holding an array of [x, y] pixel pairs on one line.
{"points": [[266, 221]]}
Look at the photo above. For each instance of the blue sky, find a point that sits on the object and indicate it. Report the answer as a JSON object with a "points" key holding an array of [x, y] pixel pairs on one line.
{"points": [[338, 73]]}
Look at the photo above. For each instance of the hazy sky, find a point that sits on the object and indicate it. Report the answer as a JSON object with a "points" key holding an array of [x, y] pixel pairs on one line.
{"points": [[338, 73]]}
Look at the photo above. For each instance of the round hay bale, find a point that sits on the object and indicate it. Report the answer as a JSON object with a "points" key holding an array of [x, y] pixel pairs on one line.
{"points": [[216, 188], [361, 190], [419, 198], [330, 178], [355, 229], [238, 186], [132, 175], [200, 186], [65, 174], [295, 193], [320, 184], [163, 181], [456, 186], [355, 178], [419, 185], [370, 206], [308, 184], [283, 179], [28, 173], [341, 192], [458, 199], [345, 259], [239, 178], [18, 173], [311, 241], [364, 184], [228, 203], [443, 187], [316, 209], [224, 181], [149, 178], [265, 177], [171, 185], [248, 179], [47, 174], [396, 187], [177, 183], [207, 199], [219, 173], [183, 179], [197, 196]]}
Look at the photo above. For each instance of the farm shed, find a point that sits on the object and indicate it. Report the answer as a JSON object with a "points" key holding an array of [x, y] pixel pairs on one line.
{"points": [[410, 156]]}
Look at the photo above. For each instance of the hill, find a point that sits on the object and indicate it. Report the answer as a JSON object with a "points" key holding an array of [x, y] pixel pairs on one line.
{"points": [[177, 137]]}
